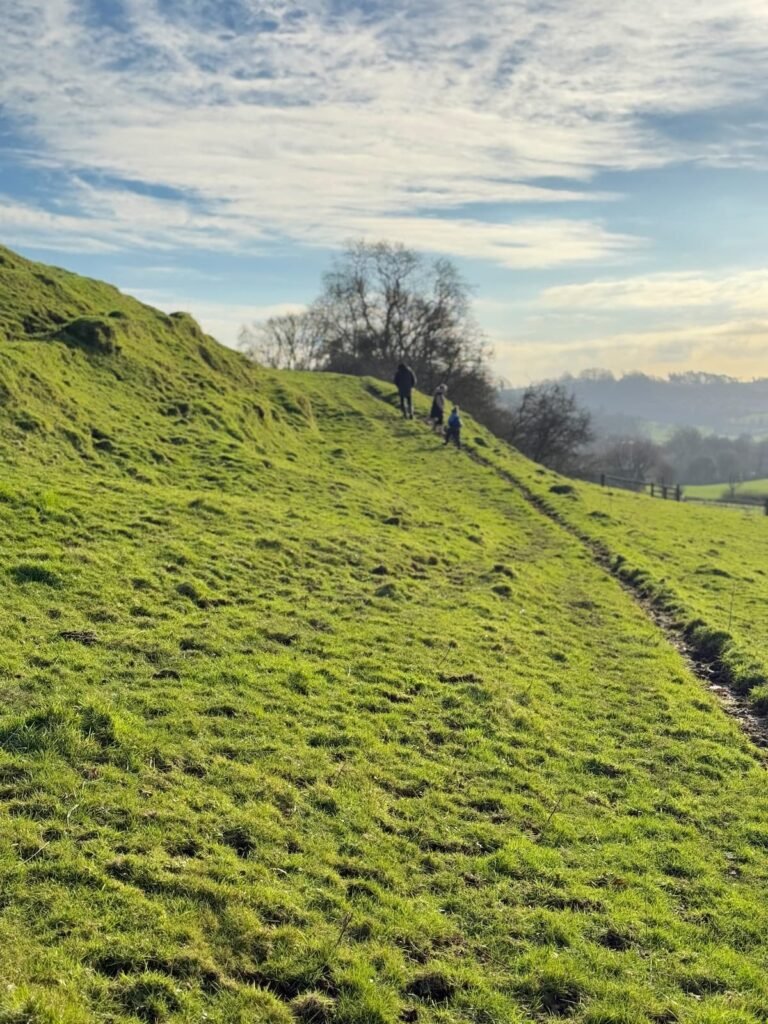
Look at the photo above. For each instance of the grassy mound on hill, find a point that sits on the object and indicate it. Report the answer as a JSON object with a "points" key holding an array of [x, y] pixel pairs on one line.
{"points": [[308, 718]]}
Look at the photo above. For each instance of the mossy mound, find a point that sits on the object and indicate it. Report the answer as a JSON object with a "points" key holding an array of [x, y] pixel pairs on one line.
{"points": [[94, 335]]}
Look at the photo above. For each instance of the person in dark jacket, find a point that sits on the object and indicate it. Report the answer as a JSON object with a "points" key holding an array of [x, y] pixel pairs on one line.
{"points": [[453, 430], [437, 412], [405, 379]]}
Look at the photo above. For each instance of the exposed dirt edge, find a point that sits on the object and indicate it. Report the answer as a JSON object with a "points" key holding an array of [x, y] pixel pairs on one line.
{"points": [[705, 663]]}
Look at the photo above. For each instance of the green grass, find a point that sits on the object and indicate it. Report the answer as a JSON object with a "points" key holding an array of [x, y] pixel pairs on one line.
{"points": [[723, 492], [705, 567], [307, 717]]}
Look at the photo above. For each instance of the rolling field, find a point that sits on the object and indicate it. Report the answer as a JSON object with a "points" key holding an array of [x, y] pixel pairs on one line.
{"points": [[308, 718], [716, 492]]}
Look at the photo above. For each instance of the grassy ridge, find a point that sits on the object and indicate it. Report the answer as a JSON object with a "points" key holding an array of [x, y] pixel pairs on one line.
{"points": [[314, 719], [94, 375]]}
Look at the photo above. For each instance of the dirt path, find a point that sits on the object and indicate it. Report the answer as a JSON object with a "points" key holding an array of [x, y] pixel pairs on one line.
{"points": [[708, 670]]}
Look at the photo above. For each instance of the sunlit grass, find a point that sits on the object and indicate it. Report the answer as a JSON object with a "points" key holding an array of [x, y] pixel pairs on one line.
{"points": [[309, 718]]}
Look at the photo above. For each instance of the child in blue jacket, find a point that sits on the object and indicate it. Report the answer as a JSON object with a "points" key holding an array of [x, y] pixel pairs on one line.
{"points": [[453, 430]]}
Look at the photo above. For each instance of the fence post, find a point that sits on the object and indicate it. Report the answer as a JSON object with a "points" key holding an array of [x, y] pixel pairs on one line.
{"points": [[602, 480], [678, 492], [664, 491], [766, 506], [653, 489]]}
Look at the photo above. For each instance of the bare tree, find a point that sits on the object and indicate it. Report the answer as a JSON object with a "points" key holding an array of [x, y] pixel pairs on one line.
{"points": [[382, 304], [548, 426], [632, 457], [289, 342]]}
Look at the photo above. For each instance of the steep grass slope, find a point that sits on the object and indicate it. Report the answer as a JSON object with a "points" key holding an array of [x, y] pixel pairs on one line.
{"points": [[307, 717], [93, 374]]}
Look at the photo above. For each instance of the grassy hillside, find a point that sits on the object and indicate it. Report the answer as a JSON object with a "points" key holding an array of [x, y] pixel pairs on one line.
{"points": [[308, 718], [92, 375], [705, 567]]}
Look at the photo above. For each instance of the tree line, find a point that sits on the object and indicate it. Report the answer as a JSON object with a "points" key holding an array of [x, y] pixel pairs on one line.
{"points": [[381, 304], [688, 456]]}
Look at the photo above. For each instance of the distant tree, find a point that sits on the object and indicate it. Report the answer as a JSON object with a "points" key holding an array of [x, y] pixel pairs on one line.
{"points": [[596, 373], [289, 342], [665, 472], [630, 457], [759, 462], [702, 469], [697, 377], [549, 426], [729, 465], [685, 444]]}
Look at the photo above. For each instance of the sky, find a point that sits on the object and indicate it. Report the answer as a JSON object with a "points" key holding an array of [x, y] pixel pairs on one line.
{"points": [[595, 168]]}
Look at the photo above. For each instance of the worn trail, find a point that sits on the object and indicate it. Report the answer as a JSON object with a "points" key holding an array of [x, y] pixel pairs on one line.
{"points": [[709, 670]]}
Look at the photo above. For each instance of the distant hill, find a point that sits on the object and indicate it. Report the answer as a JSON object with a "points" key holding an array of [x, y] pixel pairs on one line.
{"points": [[638, 403]]}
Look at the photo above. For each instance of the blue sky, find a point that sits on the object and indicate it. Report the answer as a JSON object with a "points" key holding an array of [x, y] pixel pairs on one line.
{"points": [[597, 168]]}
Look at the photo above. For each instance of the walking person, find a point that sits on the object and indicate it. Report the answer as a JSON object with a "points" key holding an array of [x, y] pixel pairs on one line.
{"points": [[437, 412], [405, 379], [453, 430]]}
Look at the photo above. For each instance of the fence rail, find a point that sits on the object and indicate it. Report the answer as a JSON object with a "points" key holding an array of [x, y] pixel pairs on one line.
{"points": [[675, 492]]}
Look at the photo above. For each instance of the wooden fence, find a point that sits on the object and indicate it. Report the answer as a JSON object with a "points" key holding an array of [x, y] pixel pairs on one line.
{"points": [[674, 492]]}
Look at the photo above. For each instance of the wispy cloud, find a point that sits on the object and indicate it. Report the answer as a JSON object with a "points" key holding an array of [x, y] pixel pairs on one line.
{"points": [[319, 121], [110, 221], [741, 290]]}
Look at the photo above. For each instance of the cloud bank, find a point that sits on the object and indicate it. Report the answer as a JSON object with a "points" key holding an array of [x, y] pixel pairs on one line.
{"points": [[245, 122]]}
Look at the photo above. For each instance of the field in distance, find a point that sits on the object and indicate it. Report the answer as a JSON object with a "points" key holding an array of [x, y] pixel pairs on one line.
{"points": [[728, 492]]}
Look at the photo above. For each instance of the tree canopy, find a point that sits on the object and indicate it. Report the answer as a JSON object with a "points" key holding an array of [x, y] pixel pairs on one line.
{"points": [[548, 426], [382, 304]]}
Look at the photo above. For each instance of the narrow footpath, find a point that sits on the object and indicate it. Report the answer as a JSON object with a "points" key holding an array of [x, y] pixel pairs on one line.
{"points": [[708, 670]]}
